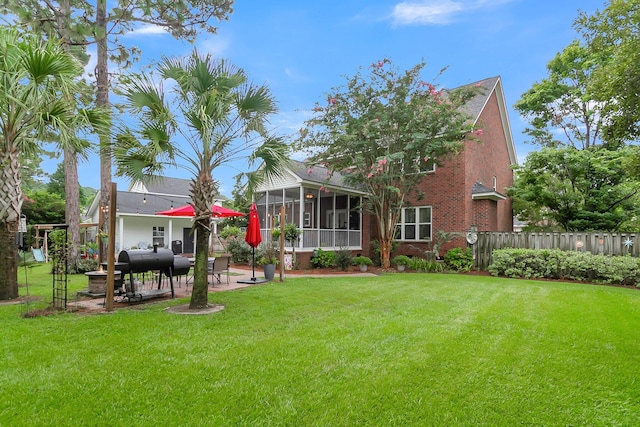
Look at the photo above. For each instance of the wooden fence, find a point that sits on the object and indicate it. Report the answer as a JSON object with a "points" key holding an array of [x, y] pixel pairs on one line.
{"points": [[596, 243]]}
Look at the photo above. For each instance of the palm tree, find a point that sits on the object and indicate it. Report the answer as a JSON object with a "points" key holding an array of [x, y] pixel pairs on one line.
{"points": [[219, 115], [37, 103]]}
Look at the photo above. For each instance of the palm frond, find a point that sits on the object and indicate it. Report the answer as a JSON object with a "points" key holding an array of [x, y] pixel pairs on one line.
{"points": [[275, 159]]}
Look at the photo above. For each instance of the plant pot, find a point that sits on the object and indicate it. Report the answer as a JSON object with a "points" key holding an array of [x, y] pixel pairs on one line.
{"points": [[269, 271], [363, 267], [400, 267]]}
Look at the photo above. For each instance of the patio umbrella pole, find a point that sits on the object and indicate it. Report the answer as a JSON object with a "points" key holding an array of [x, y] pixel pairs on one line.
{"points": [[253, 264], [253, 238]]}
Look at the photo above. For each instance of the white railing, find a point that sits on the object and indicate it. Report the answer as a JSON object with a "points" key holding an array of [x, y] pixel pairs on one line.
{"points": [[313, 238]]}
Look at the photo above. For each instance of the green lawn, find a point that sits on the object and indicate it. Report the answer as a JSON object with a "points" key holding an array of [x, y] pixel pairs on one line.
{"points": [[396, 350]]}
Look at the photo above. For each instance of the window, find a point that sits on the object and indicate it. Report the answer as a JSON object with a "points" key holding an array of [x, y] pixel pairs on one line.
{"points": [[158, 236], [424, 167], [415, 224]]}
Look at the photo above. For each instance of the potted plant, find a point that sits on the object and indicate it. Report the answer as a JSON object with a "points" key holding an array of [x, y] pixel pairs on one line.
{"points": [[363, 262], [103, 236], [401, 261], [268, 261]]}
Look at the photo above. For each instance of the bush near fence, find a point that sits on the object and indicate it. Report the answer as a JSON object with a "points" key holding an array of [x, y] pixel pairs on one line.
{"points": [[594, 242], [572, 265]]}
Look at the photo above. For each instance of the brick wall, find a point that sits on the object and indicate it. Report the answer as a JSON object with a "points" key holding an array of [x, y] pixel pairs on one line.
{"points": [[448, 190]]}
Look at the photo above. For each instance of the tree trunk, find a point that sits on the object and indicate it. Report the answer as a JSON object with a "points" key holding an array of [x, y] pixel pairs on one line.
{"points": [[72, 205], [8, 262], [200, 290], [385, 251], [71, 183], [102, 100], [10, 207]]}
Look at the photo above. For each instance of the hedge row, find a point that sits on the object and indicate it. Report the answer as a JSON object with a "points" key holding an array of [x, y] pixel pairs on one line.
{"points": [[557, 264]]}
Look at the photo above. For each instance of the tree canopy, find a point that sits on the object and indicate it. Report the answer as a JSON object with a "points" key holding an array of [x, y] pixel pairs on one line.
{"points": [[612, 38], [382, 130], [576, 190], [584, 115]]}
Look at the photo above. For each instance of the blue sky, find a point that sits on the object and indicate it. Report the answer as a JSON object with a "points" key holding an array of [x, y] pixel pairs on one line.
{"points": [[301, 49]]}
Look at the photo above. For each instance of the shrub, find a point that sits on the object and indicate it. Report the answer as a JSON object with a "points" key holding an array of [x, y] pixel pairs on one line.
{"points": [[421, 264], [87, 264], [362, 260], [323, 259], [343, 259], [240, 251], [459, 259], [230, 232], [401, 260], [268, 255], [557, 264]]}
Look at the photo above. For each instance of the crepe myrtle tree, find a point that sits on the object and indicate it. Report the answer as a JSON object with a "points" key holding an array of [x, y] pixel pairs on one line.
{"points": [[384, 129], [212, 115]]}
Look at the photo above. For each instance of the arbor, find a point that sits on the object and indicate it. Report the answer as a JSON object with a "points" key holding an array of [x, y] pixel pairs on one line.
{"points": [[382, 130], [36, 86], [576, 190], [214, 114], [612, 39]]}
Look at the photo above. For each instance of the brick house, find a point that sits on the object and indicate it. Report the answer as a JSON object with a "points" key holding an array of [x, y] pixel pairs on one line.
{"points": [[464, 192], [468, 190]]}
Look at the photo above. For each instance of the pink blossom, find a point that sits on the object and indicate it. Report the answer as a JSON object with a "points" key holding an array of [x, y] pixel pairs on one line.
{"points": [[478, 84], [382, 161], [380, 64], [478, 132], [322, 188], [317, 108], [332, 101], [377, 120], [310, 171], [370, 175], [426, 159]]}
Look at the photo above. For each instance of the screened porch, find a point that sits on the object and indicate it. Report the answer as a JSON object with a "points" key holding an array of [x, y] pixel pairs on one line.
{"points": [[327, 219]]}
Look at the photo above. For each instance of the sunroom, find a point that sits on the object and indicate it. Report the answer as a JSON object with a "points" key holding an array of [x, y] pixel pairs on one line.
{"points": [[327, 211]]}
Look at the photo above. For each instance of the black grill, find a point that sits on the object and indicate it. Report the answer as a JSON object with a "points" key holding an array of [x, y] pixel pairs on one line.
{"points": [[141, 260], [163, 260]]}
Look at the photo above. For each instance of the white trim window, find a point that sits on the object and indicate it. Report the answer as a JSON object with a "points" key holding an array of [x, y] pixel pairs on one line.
{"points": [[158, 236], [415, 224]]}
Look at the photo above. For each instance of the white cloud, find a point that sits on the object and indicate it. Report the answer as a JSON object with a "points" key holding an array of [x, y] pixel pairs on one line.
{"points": [[289, 122], [432, 12], [216, 46], [148, 29], [425, 12]]}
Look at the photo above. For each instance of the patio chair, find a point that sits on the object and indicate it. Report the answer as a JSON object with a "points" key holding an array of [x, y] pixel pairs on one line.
{"points": [[218, 266]]}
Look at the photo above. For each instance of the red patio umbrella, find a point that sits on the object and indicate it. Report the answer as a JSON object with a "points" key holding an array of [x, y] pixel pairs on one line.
{"points": [[253, 237], [187, 210]]}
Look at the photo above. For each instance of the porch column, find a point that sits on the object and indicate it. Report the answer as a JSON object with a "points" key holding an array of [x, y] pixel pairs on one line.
{"points": [[301, 219], [120, 232]]}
